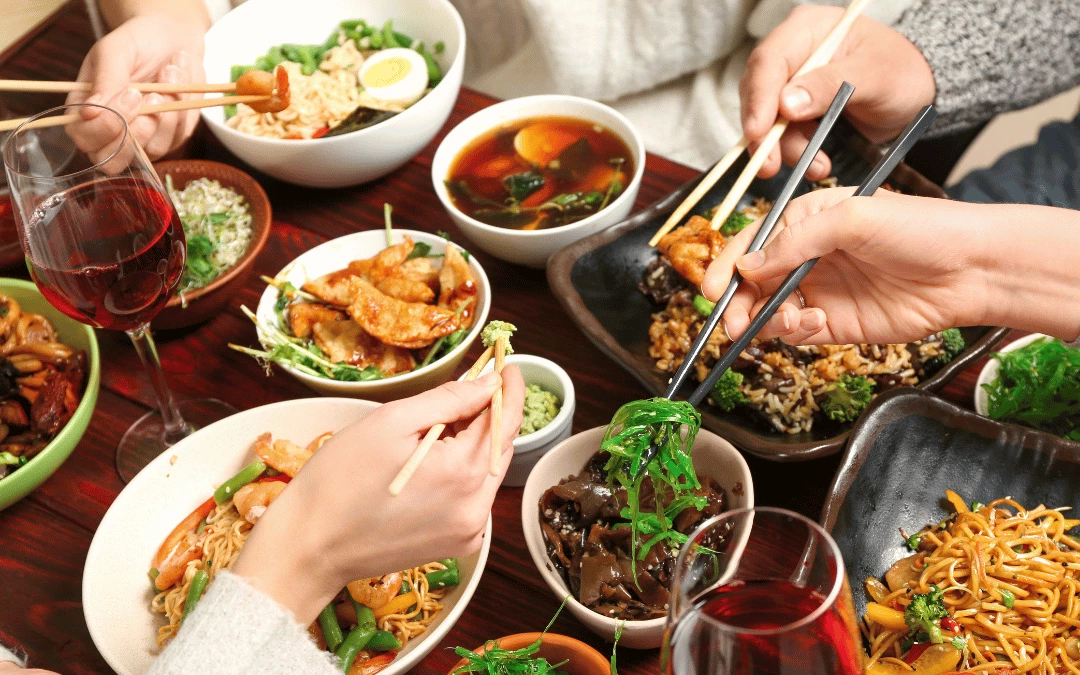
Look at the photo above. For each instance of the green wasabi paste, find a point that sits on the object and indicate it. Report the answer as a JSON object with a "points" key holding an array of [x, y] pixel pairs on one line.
{"points": [[541, 406]]}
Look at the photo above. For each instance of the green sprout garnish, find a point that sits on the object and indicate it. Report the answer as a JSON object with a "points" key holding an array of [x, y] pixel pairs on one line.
{"points": [[494, 660]]}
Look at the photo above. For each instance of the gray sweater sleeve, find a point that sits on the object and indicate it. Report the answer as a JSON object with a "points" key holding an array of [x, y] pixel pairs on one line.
{"points": [[237, 630], [992, 56]]}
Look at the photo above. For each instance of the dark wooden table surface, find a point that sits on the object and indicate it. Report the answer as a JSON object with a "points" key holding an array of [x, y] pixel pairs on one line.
{"points": [[45, 537]]}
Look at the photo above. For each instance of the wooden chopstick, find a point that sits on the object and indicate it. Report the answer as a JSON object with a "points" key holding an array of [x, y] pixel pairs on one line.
{"points": [[398, 484], [158, 87], [502, 345], [168, 106], [822, 55]]}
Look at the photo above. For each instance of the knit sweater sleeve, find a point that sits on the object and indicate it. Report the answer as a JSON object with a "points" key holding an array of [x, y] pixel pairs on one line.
{"points": [[236, 629], [992, 56]]}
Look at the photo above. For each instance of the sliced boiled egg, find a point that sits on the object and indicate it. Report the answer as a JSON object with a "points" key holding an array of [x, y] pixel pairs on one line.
{"points": [[396, 76], [541, 142]]}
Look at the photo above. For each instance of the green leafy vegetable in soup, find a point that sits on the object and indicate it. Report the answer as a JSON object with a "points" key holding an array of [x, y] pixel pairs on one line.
{"points": [[541, 407], [217, 226], [1038, 385]]}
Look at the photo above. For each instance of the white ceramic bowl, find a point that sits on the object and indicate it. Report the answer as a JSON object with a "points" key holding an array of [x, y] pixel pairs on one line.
{"points": [[528, 449], [116, 593], [534, 247], [713, 456], [989, 372], [248, 31], [336, 254]]}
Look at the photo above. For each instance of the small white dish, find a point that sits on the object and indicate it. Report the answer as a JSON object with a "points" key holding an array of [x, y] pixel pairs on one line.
{"points": [[713, 457], [534, 247], [528, 449], [115, 589], [248, 31], [336, 254], [989, 372]]}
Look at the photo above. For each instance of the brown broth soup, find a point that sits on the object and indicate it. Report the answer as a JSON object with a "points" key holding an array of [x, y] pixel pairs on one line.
{"points": [[539, 173]]}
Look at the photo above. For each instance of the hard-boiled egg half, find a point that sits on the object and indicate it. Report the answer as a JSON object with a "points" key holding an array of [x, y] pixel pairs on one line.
{"points": [[395, 76]]}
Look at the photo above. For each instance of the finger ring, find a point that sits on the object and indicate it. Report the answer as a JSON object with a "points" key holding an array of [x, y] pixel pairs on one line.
{"points": [[799, 295]]}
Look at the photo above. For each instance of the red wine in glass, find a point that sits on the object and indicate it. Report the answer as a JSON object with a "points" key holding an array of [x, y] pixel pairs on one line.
{"points": [[108, 253], [821, 646]]}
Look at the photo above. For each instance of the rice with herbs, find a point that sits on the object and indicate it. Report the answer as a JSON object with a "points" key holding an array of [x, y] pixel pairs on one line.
{"points": [[217, 227]]}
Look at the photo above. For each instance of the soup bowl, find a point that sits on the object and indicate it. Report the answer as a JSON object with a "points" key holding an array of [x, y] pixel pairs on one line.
{"points": [[248, 31], [533, 247], [713, 457]]}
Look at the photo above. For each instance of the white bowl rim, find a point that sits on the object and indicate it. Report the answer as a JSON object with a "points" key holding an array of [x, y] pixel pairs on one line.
{"points": [[457, 63], [635, 144], [564, 592], [468, 589], [543, 435], [478, 324], [990, 370]]}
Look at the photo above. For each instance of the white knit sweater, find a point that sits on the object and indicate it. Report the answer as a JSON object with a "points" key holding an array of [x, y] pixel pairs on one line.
{"points": [[237, 630]]}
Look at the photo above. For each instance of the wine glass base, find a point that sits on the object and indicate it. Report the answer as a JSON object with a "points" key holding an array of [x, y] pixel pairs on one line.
{"points": [[143, 441]]}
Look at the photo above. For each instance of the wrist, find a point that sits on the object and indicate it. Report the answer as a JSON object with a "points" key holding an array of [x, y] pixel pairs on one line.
{"points": [[1031, 269]]}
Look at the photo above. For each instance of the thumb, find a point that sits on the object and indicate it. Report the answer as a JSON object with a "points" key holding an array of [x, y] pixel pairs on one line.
{"points": [[449, 403], [824, 229], [808, 96]]}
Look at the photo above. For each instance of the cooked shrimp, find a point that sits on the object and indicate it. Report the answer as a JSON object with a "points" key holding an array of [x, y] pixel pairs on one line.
{"points": [[281, 455], [691, 248], [370, 665], [376, 591], [261, 83], [252, 499]]}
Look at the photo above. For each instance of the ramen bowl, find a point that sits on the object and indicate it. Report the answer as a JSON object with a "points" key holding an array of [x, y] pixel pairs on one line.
{"points": [[248, 31], [533, 247], [713, 457], [116, 592]]}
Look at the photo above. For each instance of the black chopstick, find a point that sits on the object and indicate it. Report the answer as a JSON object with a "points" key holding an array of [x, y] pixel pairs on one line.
{"points": [[878, 174], [793, 183]]}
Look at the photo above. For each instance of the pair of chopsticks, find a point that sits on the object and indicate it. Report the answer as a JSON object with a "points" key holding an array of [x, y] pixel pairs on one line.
{"points": [[498, 352], [885, 166], [161, 88], [822, 55]]}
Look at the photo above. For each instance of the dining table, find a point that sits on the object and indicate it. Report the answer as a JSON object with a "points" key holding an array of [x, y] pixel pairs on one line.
{"points": [[44, 538]]}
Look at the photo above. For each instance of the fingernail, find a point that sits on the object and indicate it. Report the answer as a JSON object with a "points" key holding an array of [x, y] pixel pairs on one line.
{"points": [[181, 59], [130, 99], [154, 99], [489, 380], [796, 99], [818, 165], [727, 333], [785, 322], [812, 320], [752, 261], [171, 74], [750, 121]]}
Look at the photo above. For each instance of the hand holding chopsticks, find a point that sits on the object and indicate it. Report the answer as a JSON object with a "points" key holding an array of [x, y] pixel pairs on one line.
{"points": [[168, 106]]}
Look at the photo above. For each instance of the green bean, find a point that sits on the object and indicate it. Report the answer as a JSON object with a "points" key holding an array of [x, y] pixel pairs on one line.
{"points": [[402, 39], [376, 40], [434, 73], [443, 578], [449, 563], [331, 629], [358, 637], [383, 641], [352, 24], [227, 489], [388, 38], [195, 591]]}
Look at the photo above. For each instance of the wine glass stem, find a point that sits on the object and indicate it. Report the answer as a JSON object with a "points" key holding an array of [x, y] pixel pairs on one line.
{"points": [[175, 426]]}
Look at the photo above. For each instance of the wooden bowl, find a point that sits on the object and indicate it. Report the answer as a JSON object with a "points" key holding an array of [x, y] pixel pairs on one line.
{"points": [[206, 302], [581, 658]]}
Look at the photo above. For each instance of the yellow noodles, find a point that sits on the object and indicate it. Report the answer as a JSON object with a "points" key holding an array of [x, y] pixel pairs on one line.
{"points": [[1011, 578]]}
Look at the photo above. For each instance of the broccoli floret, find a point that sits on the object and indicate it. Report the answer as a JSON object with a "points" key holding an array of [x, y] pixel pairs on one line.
{"points": [[846, 398], [952, 343], [725, 393], [925, 612], [495, 330], [735, 224]]}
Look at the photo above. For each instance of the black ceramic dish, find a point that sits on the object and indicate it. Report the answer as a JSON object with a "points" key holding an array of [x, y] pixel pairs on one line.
{"points": [[910, 447], [596, 281]]}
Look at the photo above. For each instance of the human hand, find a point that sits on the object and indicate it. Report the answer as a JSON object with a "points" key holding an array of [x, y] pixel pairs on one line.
{"points": [[892, 82], [148, 48], [336, 522], [893, 268], [12, 668]]}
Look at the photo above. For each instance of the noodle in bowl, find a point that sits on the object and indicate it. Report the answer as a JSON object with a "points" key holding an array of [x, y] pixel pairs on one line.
{"points": [[117, 595], [328, 94]]}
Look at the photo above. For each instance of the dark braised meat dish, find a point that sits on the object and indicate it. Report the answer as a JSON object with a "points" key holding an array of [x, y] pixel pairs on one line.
{"points": [[588, 541]]}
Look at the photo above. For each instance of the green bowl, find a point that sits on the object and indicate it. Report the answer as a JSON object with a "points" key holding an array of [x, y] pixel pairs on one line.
{"points": [[77, 335]]}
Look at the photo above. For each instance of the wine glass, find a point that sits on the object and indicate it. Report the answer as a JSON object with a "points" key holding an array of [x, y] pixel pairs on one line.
{"points": [[761, 590], [104, 245]]}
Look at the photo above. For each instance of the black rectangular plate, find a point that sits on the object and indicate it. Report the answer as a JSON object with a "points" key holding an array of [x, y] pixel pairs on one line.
{"points": [[910, 447], [596, 281]]}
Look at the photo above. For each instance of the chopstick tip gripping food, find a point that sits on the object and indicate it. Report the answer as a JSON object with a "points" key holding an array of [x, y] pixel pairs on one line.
{"points": [[497, 334]]}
